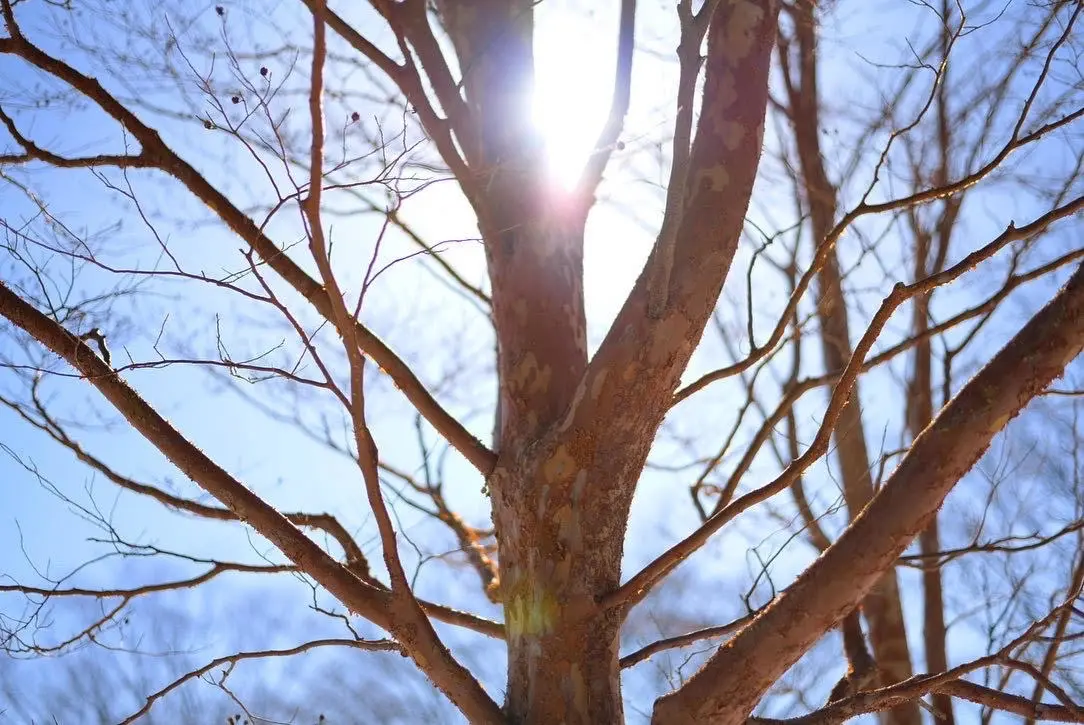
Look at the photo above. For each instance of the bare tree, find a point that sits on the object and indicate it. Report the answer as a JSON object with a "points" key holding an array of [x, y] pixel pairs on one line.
{"points": [[348, 151]]}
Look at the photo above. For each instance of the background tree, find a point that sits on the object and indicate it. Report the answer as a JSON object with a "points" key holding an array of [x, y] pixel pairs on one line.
{"points": [[327, 142]]}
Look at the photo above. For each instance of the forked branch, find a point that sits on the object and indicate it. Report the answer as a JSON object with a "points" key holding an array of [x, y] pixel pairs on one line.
{"points": [[639, 585]]}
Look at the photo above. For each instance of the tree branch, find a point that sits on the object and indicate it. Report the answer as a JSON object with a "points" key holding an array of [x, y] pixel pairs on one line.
{"points": [[1015, 704], [380, 645], [363, 598], [641, 583], [155, 149], [938, 459], [683, 640], [409, 622]]}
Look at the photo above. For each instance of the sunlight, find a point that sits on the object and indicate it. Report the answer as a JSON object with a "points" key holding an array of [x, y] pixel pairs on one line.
{"points": [[574, 66]]}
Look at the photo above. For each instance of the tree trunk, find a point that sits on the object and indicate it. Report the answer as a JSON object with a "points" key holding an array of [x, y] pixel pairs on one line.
{"points": [[573, 439], [920, 403], [920, 414], [882, 607], [559, 554]]}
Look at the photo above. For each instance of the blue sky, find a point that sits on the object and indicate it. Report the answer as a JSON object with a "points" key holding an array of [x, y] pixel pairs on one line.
{"points": [[445, 339]]}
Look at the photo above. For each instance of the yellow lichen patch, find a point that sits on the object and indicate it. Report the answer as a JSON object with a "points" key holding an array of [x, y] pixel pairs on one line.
{"points": [[744, 19], [560, 465], [530, 614]]}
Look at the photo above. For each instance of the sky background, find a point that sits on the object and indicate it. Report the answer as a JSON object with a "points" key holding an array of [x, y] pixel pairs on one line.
{"points": [[435, 328]]}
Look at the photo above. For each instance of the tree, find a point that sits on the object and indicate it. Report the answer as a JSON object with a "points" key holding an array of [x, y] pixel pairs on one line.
{"points": [[904, 187]]}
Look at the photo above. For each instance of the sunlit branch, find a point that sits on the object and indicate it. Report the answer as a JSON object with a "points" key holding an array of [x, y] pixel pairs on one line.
{"points": [[340, 315], [712, 222], [865, 208], [936, 462], [949, 682], [662, 255]]}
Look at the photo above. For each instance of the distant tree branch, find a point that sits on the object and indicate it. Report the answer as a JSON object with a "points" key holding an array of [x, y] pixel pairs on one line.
{"points": [[380, 645]]}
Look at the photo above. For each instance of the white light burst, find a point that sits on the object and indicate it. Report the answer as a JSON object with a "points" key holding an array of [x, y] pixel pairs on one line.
{"points": [[574, 66]]}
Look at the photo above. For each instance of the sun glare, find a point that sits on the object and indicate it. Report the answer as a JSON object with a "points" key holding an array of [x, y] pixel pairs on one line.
{"points": [[574, 65]]}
